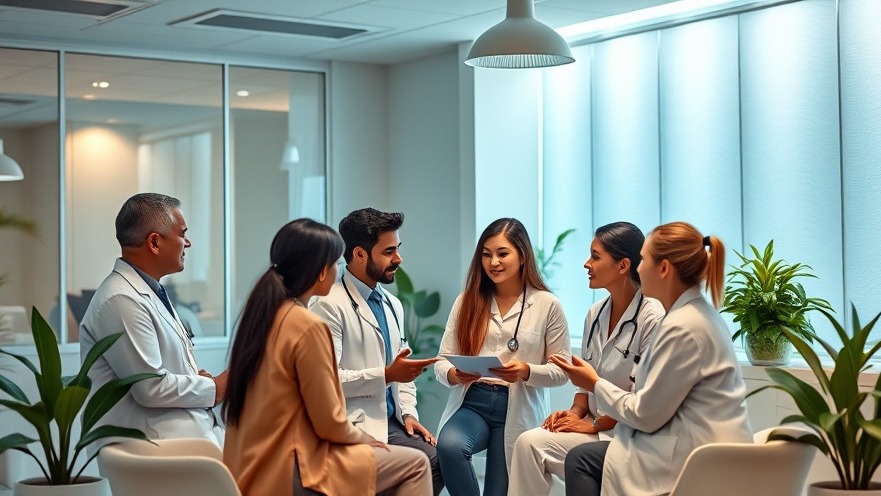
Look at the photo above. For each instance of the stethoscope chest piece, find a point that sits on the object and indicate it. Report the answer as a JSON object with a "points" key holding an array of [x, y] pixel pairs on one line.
{"points": [[513, 344]]}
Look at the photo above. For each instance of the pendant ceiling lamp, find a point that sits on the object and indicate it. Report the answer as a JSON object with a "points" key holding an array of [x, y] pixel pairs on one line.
{"points": [[9, 169], [519, 42]]}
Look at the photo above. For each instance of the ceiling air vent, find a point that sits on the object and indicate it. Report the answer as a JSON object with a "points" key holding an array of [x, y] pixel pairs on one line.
{"points": [[97, 8], [268, 24]]}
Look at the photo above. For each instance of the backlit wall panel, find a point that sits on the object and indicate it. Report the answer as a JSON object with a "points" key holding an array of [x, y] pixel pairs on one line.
{"points": [[861, 151], [625, 131], [700, 128], [790, 140]]}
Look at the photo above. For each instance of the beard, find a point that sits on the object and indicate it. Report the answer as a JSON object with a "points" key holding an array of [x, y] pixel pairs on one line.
{"points": [[379, 275]]}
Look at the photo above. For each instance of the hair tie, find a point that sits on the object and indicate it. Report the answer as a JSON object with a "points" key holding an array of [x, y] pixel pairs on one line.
{"points": [[707, 242], [274, 267]]}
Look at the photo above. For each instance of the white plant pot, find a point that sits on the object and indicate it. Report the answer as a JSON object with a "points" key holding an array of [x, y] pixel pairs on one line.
{"points": [[833, 488], [88, 486]]}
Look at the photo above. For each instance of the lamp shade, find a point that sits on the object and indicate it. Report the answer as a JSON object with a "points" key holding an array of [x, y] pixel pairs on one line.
{"points": [[519, 42], [9, 169]]}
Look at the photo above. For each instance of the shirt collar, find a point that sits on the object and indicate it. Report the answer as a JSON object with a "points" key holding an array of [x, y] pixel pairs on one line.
{"points": [[153, 283], [363, 289]]}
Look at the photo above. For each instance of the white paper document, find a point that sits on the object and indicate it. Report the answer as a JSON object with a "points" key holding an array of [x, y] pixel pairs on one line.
{"points": [[475, 364]]}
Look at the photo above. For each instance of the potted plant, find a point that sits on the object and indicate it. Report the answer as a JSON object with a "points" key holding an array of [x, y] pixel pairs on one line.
{"points": [[850, 439], [424, 341], [61, 400], [765, 297], [545, 259]]}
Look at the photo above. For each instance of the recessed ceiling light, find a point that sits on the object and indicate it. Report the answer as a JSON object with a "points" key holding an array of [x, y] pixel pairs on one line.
{"points": [[243, 93], [88, 97], [100, 84]]}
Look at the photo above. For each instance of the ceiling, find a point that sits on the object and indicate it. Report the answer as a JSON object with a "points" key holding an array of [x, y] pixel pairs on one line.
{"points": [[143, 90], [397, 30]]}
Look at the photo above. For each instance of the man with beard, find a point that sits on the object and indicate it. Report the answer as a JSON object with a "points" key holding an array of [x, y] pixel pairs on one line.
{"points": [[370, 346]]}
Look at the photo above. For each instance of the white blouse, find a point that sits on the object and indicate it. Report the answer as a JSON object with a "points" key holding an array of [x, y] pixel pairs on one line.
{"points": [[543, 332]]}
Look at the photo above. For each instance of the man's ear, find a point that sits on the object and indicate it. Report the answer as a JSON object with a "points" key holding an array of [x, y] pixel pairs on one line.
{"points": [[323, 275], [153, 242], [360, 254]]}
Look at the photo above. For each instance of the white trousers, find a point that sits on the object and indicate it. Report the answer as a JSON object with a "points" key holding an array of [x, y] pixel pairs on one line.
{"points": [[538, 455]]}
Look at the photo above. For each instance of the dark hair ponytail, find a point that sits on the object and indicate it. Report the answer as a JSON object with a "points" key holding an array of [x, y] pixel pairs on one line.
{"points": [[300, 251], [622, 240]]}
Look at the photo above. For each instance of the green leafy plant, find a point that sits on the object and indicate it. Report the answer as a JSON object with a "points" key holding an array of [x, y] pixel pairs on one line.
{"points": [[423, 339], [765, 297], [545, 259], [61, 399], [841, 431]]}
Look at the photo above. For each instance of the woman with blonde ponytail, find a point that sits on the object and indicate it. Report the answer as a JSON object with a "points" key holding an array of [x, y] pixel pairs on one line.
{"points": [[687, 392]]}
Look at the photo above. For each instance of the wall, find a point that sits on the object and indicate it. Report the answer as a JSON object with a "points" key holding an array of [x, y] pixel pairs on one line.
{"points": [[358, 158]]}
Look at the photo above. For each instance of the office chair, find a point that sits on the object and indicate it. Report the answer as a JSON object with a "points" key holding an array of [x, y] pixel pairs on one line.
{"points": [[171, 467], [776, 468]]}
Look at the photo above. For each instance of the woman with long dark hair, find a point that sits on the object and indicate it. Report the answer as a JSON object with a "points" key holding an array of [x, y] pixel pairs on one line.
{"points": [[617, 332], [505, 311], [287, 431]]}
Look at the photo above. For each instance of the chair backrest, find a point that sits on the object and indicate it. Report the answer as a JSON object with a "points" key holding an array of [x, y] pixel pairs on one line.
{"points": [[186, 467], [776, 468]]}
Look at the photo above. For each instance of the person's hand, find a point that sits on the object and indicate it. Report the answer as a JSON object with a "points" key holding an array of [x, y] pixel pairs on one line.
{"points": [[554, 417], [574, 424], [404, 369], [456, 376], [372, 442], [512, 371], [581, 373], [411, 425], [205, 373], [219, 385]]}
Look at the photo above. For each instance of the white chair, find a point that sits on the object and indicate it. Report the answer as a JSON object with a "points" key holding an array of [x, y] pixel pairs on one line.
{"points": [[171, 467], [776, 468]]}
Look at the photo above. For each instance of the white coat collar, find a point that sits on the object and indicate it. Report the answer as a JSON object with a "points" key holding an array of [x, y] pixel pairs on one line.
{"points": [[686, 297]]}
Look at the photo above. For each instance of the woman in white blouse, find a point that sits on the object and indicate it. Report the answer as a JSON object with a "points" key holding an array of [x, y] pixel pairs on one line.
{"points": [[505, 311], [617, 331]]}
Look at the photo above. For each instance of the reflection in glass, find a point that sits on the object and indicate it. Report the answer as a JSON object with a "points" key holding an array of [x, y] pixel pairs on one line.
{"points": [[136, 125], [278, 162], [29, 264]]}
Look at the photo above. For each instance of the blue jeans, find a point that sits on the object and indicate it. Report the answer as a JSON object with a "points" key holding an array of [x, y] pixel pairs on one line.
{"points": [[479, 424]]}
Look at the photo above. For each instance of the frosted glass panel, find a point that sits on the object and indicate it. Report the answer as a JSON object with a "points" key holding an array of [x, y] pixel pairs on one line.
{"points": [[791, 173], [506, 106], [567, 182], [700, 128], [625, 131], [861, 146]]}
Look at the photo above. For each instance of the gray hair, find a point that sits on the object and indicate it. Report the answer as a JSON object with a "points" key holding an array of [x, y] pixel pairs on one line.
{"points": [[143, 214]]}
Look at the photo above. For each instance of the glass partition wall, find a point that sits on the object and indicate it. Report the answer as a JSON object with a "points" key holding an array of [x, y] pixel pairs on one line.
{"points": [[135, 125]]}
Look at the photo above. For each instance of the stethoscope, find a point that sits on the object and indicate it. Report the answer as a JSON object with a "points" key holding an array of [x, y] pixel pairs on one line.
{"points": [[362, 319], [513, 344], [631, 321]]}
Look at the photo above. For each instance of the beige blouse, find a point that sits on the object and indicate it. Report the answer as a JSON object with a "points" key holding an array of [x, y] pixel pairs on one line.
{"points": [[295, 406]]}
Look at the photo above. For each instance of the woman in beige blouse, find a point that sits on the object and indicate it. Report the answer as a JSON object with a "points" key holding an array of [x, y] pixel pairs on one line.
{"points": [[287, 427]]}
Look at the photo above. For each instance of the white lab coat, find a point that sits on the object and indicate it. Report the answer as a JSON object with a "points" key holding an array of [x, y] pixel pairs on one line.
{"points": [[604, 352], [360, 355], [176, 405], [543, 332], [688, 392]]}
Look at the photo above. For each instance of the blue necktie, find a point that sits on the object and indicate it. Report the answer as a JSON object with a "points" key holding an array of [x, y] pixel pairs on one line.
{"points": [[163, 295], [375, 304]]}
